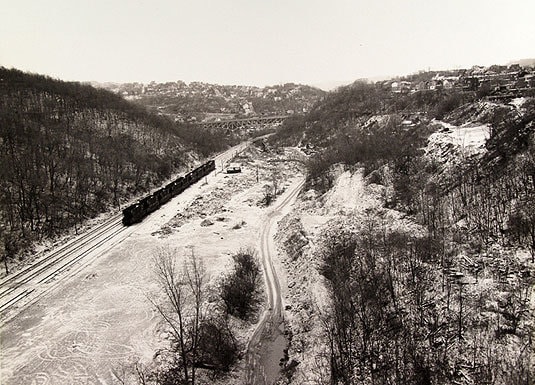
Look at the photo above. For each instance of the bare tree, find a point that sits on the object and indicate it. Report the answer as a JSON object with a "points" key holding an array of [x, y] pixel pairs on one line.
{"points": [[182, 310], [194, 274]]}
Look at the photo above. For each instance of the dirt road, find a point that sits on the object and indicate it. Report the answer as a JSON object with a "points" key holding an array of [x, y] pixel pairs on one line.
{"points": [[265, 348]]}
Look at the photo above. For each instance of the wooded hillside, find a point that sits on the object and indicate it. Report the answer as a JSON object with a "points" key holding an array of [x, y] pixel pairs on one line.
{"points": [[70, 151], [449, 303]]}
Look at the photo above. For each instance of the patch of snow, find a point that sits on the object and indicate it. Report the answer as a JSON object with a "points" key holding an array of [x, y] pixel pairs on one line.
{"points": [[454, 143], [349, 194], [303, 286], [464, 136], [518, 102]]}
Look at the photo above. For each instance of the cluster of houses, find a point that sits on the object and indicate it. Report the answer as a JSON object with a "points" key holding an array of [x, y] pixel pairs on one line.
{"points": [[229, 92], [198, 101], [491, 80]]}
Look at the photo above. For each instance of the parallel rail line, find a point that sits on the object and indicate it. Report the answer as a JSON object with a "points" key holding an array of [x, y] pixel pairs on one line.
{"points": [[36, 278], [79, 241], [12, 288]]}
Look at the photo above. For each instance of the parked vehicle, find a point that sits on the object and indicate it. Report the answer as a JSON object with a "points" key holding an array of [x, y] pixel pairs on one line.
{"points": [[233, 169]]}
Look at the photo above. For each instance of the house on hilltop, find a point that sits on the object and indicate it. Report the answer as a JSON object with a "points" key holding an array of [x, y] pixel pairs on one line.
{"points": [[402, 87]]}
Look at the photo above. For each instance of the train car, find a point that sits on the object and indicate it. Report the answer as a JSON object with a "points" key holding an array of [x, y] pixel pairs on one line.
{"points": [[180, 185], [139, 210], [163, 195], [171, 189], [133, 214], [197, 174], [150, 203], [188, 178], [211, 165]]}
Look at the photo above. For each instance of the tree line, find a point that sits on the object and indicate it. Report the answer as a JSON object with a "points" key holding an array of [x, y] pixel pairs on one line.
{"points": [[69, 151], [411, 309], [403, 312], [448, 303]]}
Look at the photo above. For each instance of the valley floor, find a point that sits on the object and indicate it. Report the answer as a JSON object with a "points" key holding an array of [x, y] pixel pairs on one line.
{"points": [[94, 326]]}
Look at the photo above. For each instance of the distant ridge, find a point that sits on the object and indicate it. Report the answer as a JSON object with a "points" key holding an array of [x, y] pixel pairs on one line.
{"points": [[523, 62], [330, 85]]}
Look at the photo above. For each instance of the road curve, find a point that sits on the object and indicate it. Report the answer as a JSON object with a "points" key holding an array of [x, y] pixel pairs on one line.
{"points": [[264, 349]]}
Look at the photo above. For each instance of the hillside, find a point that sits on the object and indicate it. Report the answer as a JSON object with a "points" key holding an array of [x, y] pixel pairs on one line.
{"points": [[411, 257], [523, 62], [199, 101], [70, 151]]}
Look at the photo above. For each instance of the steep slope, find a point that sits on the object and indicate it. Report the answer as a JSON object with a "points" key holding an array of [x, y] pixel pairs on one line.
{"points": [[416, 264], [70, 151]]}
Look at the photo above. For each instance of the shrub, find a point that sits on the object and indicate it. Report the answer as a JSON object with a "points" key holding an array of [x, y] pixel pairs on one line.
{"points": [[238, 290], [319, 175], [217, 345]]}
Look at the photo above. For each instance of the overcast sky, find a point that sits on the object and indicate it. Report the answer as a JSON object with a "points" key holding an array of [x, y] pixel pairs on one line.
{"points": [[258, 42]]}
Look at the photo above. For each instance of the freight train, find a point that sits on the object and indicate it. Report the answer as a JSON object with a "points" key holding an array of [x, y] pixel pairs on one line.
{"points": [[139, 210]]}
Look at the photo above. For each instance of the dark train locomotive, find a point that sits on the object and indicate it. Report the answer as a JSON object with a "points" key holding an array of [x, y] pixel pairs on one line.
{"points": [[139, 210]]}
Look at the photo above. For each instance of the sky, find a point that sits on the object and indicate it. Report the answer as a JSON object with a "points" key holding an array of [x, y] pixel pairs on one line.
{"points": [[260, 42]]}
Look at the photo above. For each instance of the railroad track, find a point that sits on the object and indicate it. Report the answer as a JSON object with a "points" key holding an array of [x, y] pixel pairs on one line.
{"points": [[33, 278], [23, 283]]}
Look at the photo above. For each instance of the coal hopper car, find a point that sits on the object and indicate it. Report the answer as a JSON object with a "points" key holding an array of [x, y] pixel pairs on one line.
{"points": [[150, 203]]}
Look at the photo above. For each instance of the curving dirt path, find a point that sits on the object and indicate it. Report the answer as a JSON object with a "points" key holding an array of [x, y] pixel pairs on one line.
{"points": [[265, 348]]}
